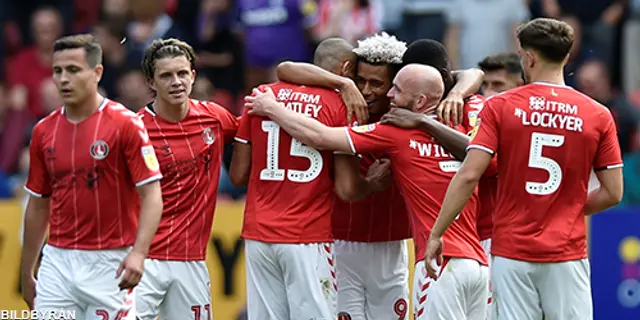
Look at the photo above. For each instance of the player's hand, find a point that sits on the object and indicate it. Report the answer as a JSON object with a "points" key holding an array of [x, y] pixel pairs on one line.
{"points": [[259, 102], [355, 103], [379, 174], [450, 109], [403, 118], [133, 267], [28, 285], [433, 252]]}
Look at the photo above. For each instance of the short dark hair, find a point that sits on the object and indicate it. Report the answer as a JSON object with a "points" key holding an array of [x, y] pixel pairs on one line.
{"points": [[87, 42], [427, 52], [502, 61], [550, 38], [164, 48]]}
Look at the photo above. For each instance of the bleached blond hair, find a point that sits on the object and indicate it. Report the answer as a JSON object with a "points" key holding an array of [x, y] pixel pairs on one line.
{"points": [[381, 49]]}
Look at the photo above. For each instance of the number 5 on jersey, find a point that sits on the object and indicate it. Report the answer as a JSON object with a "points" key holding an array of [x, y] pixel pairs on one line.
{"points": [[538, 161], [273, 172]]}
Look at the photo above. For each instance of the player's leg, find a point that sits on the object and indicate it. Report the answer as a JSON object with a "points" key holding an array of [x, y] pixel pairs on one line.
{"points": [[189, 295], [54, 286], [514, 293], [387, 285], [486, 245], [309, 277], [449, 296], [266, 292], [351, 266], [97, 285], [152, 289], [565, 290]]}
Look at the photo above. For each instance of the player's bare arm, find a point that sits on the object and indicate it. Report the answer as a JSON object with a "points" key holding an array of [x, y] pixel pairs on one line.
{"points": [[150, 213], [458, 194], [240, 169], [608, 194], [454, 141], [36, 222], [350, 185], [311, 75], [306, 130], [468, 82]]}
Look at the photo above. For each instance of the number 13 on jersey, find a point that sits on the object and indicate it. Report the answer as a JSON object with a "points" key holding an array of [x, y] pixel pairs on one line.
{"points": [[274, 173]]}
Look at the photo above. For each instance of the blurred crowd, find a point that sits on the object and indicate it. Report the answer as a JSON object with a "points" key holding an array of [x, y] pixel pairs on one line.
{"points": [[239, 42]]}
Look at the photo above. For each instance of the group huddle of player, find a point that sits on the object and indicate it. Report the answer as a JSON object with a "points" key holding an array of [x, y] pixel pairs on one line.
{"points": [[344, 160]]}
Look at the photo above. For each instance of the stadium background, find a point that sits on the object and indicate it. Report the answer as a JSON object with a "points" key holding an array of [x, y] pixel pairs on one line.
{"points": [[605, 64]]}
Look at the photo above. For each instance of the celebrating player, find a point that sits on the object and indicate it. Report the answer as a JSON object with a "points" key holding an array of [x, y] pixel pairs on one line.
{"points": [[422, 169], [188, 136], [545, 153], [502, 72], [290, 262], [87, 160], [370, 234]]}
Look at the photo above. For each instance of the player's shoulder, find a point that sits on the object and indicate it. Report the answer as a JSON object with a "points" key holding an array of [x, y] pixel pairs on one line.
{"points": [[284, 90], [48, 121], [207, 107], [118, 112]]}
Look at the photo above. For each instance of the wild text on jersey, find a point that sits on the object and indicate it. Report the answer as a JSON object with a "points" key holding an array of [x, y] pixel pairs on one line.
{"points": [[550, 114]]}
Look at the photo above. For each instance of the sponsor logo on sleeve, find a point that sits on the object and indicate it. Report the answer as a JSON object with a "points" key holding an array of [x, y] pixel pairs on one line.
{"points": [[150, 159], [364, 128]]}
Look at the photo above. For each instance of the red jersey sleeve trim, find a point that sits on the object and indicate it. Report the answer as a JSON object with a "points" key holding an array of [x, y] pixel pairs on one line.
{"points": [[35, 194], [149, 180], [479, 147], [351, 145], [241, 140], [614, 166]]}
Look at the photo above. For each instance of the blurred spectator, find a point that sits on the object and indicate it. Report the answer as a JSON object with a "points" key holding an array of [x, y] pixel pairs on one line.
{"points": [[86, 13], [14, 126], [115, 9], [202, 89], [478, 28], [21, 13], [149, 22], [132, 89], [50, 96], [274, 31], [423, 19], [631, 50], [599, 19], [110, 33], [594, 79], [25, 86], [501, 72], [351, 20], [219, 51], [580, 51]]}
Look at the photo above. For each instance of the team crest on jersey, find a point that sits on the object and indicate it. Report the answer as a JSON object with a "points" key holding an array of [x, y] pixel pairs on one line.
{"points": [[344, 316], [150, 159], [99, 150], [364, 128], [207, 136]]}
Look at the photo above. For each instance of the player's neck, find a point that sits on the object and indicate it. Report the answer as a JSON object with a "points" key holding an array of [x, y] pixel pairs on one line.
{"points": [[171, 113], [551, 74], [79, 112]]}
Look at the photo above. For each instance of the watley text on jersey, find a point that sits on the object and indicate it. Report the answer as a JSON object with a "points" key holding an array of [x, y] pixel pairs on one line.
{"points": [[304, 103], [550, 114]]}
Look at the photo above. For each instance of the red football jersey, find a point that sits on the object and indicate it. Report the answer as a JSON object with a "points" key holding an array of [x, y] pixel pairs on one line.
{"points": [[547, 139], [190, 156], [422, 168], [91, 170], [380, 217], [291, 190]]}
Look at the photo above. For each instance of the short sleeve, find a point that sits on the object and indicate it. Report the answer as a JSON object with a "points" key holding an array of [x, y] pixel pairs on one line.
{"points": [[370, 138], [243, 135], [339, 114], [138, 151], [38, 182], [471, 110], [485, 133], [608, 155], [228, 121]]}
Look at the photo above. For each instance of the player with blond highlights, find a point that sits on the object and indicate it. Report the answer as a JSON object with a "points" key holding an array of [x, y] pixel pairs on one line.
{"points": [[188, 136]]}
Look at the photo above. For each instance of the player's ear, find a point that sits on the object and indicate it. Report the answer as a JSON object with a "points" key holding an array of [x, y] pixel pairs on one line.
{"points": [[98, 70]]}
